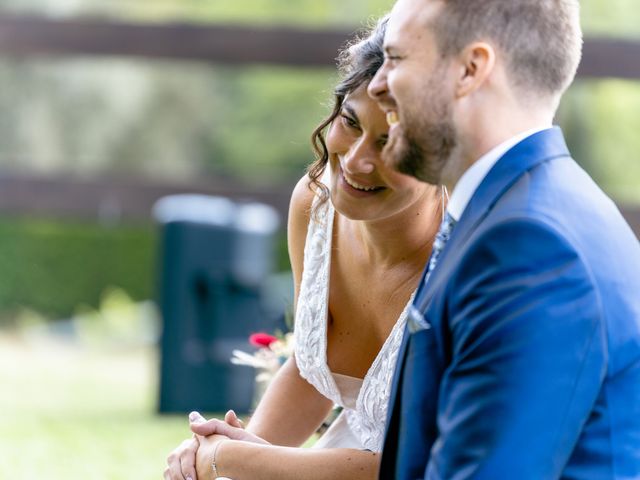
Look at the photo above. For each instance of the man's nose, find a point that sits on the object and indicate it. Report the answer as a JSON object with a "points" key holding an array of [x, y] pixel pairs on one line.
{"points": [[378, 85]]}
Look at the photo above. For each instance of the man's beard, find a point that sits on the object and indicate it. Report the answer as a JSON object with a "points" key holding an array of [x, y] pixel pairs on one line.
{"points": [[422, 146], [421, 152]]}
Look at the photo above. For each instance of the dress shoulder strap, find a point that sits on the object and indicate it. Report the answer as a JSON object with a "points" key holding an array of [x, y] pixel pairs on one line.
{"points": [[312, 307]]}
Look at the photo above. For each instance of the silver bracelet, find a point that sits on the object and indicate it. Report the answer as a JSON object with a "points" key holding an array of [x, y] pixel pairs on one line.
{"points": [[214, 466]]}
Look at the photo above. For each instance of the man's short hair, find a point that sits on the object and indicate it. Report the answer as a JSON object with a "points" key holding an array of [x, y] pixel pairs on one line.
{"points": [[541, 39]]}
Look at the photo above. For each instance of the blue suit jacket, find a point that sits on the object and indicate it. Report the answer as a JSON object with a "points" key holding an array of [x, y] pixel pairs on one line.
{"points": [[531, 366]]}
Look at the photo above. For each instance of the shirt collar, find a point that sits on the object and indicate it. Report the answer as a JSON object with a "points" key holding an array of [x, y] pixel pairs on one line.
{"points": [[472, 178]]}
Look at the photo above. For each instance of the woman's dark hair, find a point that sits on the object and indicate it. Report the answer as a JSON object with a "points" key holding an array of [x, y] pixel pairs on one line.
{"points": [[358, 63]]}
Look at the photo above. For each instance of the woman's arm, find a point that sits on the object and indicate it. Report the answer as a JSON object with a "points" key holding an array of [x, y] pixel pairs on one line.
{"points": [[249, 461], [292, 409]]}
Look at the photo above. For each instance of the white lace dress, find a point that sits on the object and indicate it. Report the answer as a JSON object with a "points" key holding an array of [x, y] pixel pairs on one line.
{"points": [[362, 421]]}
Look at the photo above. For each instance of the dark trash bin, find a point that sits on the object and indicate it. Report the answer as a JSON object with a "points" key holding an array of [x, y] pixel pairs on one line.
{"points": [[215, 257]]}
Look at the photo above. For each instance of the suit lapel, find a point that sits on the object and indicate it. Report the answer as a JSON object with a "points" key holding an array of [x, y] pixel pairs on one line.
{"points": [[532, 151], [402, 353], [393, 409]]}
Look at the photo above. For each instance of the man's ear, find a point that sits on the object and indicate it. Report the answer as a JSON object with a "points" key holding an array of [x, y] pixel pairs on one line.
{"points": [[476, 62]]}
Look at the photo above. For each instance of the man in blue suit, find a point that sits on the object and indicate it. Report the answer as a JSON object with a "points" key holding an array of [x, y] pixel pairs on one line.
{"points": [[521, 358]]}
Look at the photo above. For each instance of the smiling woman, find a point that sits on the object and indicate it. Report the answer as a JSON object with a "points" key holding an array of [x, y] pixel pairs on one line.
{"points": [[359, 236], [363, 187]]}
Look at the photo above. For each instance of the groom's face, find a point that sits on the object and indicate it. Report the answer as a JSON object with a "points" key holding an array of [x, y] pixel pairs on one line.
{"points": [[412, 88]]}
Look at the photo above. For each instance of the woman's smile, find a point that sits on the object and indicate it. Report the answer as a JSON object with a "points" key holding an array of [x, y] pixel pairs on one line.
{"points": [[357, 189]]}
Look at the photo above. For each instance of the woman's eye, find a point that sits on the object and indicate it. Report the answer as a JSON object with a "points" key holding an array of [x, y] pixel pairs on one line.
{"points": [[349, 122], [382, 142]]}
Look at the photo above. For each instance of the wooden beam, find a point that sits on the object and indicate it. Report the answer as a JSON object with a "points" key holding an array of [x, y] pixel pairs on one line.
{"points": [[608, 57], [31, 36], [632, 215], [112, 200]]}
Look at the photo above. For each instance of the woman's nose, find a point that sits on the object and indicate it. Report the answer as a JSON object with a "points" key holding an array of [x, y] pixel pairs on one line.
{"points": [[360, 158]]}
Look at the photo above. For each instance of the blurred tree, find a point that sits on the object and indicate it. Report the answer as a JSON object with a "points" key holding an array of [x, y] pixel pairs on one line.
{"points": [[602, 126], [301, 12], [169, 120], [180, 121], [158, 120], [611, 17]]}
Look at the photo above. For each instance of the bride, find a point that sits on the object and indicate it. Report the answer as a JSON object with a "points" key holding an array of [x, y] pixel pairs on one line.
{"points": [[359, 235]]}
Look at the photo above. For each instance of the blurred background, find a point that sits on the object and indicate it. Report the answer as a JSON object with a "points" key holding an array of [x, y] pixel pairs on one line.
{"points": [[107, 106]]}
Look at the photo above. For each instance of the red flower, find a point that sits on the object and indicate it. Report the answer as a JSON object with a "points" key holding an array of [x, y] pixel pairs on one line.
{"points": [[262, 340]]}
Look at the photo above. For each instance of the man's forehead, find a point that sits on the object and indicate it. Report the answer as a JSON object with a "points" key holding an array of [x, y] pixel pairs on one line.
{"points": [[409, 18]]}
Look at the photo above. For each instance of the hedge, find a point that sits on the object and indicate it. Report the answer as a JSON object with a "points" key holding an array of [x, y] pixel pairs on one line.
{"points": [[52, 267]]}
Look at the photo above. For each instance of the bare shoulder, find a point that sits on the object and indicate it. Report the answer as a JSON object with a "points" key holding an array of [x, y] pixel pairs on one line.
{"points": [[301, 201], [300, 208], [298, 224]]}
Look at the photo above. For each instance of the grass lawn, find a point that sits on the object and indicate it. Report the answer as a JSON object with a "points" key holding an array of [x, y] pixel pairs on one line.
{"points": [[67, 411]]}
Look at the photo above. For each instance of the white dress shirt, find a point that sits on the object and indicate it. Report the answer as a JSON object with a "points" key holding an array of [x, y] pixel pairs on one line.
{"points": [[472, 178]]}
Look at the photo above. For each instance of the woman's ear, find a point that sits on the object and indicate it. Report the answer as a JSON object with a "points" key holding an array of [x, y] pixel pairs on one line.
{"points": [[476, 62]]}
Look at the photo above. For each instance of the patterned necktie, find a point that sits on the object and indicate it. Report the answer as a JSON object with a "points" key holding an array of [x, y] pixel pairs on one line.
{"points": [[442, 237], [416, 320]]}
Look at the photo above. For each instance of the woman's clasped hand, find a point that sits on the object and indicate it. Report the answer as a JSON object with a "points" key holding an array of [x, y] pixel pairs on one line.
{"points": [[198, 451]]}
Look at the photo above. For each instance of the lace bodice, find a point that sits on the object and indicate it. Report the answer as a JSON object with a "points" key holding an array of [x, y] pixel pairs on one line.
{"points": [[367, 420]]}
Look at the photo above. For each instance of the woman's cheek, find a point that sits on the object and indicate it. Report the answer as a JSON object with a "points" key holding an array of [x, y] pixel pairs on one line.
{"points": [[337, 139]]}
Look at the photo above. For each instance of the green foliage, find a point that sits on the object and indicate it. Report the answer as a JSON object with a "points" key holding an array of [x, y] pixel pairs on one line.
{"points": [[309, 12], [601, 17], [72, 411], [119, 321], [75, 412], [54, 270], [179, 121], [93, 117], [173, 122], [266, 117], [300, 12], [611, 17], [53, 267], [601, 124]]}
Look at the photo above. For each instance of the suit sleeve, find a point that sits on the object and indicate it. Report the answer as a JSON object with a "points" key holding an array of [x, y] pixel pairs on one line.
{"points": [[527, 360]]}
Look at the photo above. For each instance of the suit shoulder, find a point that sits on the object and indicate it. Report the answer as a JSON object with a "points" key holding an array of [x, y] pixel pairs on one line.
{"points": [[522, 240], [521, 226]]}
